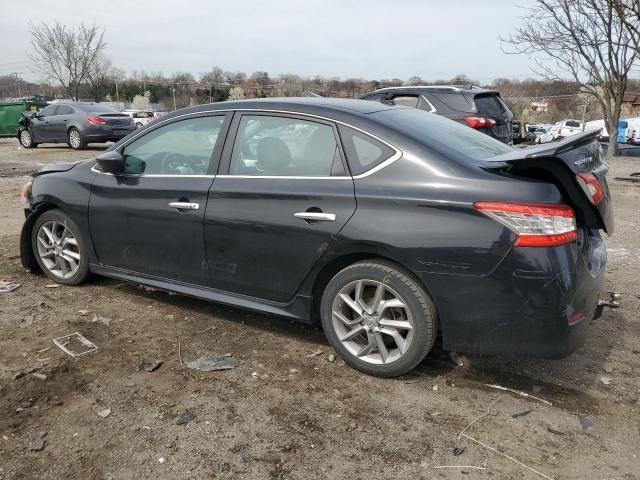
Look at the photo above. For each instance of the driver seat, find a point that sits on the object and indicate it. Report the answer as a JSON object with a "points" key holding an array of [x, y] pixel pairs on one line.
{"points": [[273, 156]]}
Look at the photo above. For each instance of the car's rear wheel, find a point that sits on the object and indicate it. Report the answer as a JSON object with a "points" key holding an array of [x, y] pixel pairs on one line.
{"points": [[26, 139], [379, 319], [75, 139], [59, 248]]}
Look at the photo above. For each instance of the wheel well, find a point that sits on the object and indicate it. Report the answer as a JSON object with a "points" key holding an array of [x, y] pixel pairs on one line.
{"points": [[337, 264], [27, 256]]}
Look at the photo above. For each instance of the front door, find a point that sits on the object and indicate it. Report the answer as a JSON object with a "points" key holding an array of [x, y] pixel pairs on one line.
{"points": [[149, 219], [41, 126], [284, 196]]}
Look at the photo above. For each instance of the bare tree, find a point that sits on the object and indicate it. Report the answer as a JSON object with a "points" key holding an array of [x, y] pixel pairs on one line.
{"points": [[99, 77], [65, 54], [587, 39]]}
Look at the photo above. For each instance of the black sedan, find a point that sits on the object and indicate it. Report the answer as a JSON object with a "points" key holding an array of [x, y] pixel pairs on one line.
{"points": [[388, 224], [74, 123]]}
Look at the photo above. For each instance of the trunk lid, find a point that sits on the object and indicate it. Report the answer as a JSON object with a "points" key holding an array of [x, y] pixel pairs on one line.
{"points": [[115, 119], [561, 163]]}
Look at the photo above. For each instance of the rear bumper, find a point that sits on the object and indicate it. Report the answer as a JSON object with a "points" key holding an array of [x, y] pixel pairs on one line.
{"points": [[538, 302], [106, 133]]}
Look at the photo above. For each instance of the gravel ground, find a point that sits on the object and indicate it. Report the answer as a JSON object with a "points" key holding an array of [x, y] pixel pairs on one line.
{"points": [[283, 413]]}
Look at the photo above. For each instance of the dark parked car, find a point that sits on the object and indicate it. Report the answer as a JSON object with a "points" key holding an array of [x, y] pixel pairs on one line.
{"points": [[389, 224], [74, 123], [477, 108]]}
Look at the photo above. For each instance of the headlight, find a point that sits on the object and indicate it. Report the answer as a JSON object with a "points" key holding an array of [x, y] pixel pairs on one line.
{"points": [[25, 194]]}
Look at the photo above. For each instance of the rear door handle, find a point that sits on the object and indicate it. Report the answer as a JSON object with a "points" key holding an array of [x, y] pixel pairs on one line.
{"points": [[316, 216], [184, 205]]}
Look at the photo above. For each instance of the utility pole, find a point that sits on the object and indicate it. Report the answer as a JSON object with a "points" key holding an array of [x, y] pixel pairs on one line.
{"points": [[173, 91], [15, 74], [209, 93], [584, 112], [117, 96]]}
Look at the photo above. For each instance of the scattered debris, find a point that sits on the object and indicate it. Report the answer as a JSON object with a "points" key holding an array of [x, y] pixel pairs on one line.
{"points": [[104, 320], [38, 442], [185, 418], [458, 359], [75, 344], [507, 456], [39, 376], [104, 413], [209, 364], [585, 422], [608, 369], [22, 373], [293, 370], [480, 416], [461, 466], [212, 327], [314, 354], [161, 460], [84, 313], [457, 451], [6, 287], [517, 392], [331, 358], [554, 431], [521, 414], [434, 388], [149, 366], [180, 354], [605, 380], [53, 285]]}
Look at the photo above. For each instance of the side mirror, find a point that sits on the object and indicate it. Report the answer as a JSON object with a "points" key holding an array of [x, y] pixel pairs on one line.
{"points": [[111, 162]]}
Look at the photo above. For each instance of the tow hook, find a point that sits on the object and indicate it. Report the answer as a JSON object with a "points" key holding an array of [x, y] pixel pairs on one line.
{"points": [[611, 302]]}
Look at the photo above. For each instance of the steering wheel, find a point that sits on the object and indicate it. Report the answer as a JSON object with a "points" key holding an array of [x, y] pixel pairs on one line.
{"points": [[176, 164]]}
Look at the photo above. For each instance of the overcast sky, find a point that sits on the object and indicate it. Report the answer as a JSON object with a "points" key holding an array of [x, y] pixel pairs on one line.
{"points": [[374, 39]]}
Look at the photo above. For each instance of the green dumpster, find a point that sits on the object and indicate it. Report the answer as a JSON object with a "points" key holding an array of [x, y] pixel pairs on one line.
{"points": [[10, 114]]}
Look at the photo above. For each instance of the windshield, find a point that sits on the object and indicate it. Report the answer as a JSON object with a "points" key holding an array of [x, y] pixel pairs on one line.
{"points": [[446, 136]]}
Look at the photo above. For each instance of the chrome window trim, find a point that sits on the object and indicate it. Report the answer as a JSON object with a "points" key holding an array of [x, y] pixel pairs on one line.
{"points": [[433, 109], [151, 175], [377, 168]]}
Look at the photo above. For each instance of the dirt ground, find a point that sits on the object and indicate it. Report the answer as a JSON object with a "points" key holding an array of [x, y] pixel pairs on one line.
{"points": [[284, 414]]}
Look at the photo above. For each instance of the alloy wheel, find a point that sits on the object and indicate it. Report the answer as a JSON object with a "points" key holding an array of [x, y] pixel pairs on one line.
{"points": [[58, 249], [25, 138], [74, 138], [372, 321]]}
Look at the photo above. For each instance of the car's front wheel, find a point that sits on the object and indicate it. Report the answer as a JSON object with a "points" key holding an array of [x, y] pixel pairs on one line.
{"points": [[59, 249], [379, 319], [75, 139], [26, 139]]}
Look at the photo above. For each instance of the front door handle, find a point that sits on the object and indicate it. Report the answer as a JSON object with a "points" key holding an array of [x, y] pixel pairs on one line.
{"points": [[316, 216], [184, 205]]}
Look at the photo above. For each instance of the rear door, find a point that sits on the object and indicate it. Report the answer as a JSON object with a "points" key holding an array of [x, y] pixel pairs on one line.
{"points": [[281, 199]]}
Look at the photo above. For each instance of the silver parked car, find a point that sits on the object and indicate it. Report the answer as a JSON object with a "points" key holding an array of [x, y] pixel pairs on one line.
{"points": [[74, 123]]}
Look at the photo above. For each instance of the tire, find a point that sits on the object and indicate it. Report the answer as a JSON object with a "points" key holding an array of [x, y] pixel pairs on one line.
{"points": [[61, 253], [75, 140], [405, 327], [26, 139]]}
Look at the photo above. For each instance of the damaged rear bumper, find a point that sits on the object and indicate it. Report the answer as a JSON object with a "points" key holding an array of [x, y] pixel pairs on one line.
{"points": [[538, 302]]}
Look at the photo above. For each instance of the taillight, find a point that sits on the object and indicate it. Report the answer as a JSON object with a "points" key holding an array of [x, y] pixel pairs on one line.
{"points": [[591, 187], [535, 224], [96, 120], [479, 122]]}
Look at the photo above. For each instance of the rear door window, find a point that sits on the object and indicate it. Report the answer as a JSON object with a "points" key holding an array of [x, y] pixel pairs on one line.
{"points": [[283, 146], [64, 110], [363, 152]]}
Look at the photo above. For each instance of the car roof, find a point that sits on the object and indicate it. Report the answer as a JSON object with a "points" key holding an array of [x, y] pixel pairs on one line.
{"points": [[436, 88], [311, 105]]}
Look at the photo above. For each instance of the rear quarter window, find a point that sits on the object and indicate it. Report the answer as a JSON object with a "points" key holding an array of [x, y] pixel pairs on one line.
{"points": [[573, 124], [454, 101], [489, 105], [363, 152]]}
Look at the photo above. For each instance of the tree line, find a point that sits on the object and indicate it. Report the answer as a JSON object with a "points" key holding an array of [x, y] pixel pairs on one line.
{"points": [[586, 48]]}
